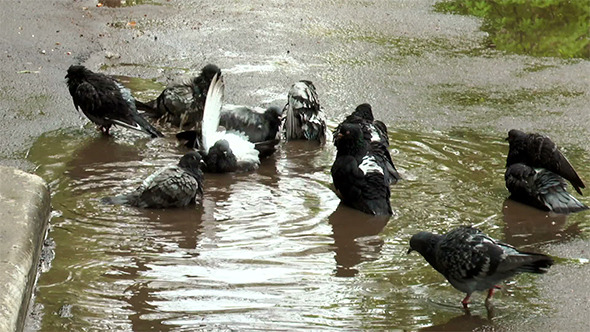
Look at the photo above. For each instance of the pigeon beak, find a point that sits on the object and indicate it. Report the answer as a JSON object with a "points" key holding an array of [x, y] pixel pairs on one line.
{"points": [[409, 251], [507, 138], [339, 136]]}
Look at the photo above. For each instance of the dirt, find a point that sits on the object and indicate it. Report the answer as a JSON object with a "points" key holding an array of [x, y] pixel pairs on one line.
{"points": [[421, 70]]}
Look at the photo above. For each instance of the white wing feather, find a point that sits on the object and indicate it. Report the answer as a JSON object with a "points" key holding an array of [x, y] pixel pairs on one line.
{"points": [[212, 111]]}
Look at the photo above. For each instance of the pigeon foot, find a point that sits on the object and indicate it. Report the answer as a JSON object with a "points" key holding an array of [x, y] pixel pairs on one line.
{"points": [[466, 301], [491, 292]]}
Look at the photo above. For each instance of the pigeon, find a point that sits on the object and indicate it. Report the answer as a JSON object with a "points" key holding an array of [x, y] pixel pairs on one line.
{"points": [[540, 188], [538, 151], [261, 126], [182, 105], [223, 150], [472, 261], [303, 117], [171, 186], [105, 101], [373, 130], [361, 172], [191, 139], [258, 124]]}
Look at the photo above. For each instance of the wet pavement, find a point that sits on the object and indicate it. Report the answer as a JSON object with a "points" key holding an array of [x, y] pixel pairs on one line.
{"points": [[447, 97]]}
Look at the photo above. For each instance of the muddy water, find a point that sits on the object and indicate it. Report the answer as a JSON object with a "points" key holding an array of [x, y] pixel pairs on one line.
{"points": [[273, 249]]}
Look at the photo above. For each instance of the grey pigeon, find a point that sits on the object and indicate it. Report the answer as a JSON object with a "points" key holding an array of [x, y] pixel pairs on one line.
{"points": [[182, 105], [472, 261], [373, 130], [362, 172], [105, 101], [303, 118], [540, 188], [171, 186], [539, 151]]}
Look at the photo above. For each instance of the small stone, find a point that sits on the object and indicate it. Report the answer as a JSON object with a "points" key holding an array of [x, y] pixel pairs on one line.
{"points": [[65, 311], [111, 55]]}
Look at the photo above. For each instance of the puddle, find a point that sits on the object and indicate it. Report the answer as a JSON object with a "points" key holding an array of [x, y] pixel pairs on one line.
{"points": [[143, 89], [125, 3], [397, 49], [556, 28], [273, 249]]}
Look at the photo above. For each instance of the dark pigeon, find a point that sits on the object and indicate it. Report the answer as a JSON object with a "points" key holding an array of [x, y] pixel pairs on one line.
{"points": [[220, 158], [471, 261], [192, 139], [361, 172], [223, 150], [540, 188], [171, 186], [538, 151], [261, 126], [182, 105], [373, 130], [303, 118], [105, 101]]}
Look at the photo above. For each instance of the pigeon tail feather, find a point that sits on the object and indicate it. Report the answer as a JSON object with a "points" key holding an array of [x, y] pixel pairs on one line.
{"points": [[117, 200]]}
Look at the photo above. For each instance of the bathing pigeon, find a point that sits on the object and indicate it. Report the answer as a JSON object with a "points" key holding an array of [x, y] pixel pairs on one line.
{"points": [[258, 124], [261, 126], [171, 186], [224, 150], [538, 151], [303, 117], [192, 139], [540, 188], [472, 261], [182, 104], [373, 130], [361, 172], [105, 101]]}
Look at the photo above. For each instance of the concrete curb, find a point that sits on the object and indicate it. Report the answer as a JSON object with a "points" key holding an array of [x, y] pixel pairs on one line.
{"points": [[24, 211]]}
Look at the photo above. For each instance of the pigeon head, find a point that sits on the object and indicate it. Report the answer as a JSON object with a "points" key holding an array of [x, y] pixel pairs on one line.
{"points": [[425, 244], [515, 134], [272, 115], [223, 146], [192, 162], [349, 132], [273, 112], [349, 139], [308, 83], [190, 159], [209, 71], [364, 111], [76, 72]]}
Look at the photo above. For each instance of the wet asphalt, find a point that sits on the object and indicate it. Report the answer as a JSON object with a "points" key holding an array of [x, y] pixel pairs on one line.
{"points": [[420, 70]]}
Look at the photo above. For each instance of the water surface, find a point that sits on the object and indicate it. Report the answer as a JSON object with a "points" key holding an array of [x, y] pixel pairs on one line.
{"points": [[274, 249]]}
